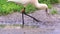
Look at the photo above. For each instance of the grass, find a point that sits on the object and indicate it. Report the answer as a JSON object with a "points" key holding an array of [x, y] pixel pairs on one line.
{"points": [[54, 11], [9, 7], [17, 25], [59, 1], [2, 26]]}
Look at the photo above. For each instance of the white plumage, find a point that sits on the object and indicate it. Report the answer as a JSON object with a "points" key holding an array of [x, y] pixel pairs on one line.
{"points": [[20, 1], [34, 2]]}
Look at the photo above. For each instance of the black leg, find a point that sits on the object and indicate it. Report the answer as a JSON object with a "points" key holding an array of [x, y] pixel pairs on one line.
{"points": [[22, 20], [33, 18], [47, 12]]}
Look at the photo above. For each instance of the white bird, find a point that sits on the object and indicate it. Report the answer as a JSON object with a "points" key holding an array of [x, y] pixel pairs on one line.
{"points": [[34, 2]]}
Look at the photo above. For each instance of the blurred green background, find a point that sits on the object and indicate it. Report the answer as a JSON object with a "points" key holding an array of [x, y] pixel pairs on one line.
{"points": [[10, 7]]}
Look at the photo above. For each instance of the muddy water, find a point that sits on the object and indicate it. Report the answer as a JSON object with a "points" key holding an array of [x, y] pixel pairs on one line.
{"points": [[49, 25]]}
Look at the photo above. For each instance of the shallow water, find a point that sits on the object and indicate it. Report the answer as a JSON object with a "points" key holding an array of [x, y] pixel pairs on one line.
{"points": [[49, 25]]}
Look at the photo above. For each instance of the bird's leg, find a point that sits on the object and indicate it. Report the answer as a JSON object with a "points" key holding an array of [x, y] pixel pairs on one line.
{"points": [[30, 16], [22, 20], [23, 12], [33, 18], [23, 17], [47, 13]]}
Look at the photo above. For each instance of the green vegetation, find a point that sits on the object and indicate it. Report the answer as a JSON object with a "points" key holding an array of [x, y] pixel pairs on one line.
{"points": [[2, 26], [17, 25], [49, 2], [9, 7], [54, 11]]}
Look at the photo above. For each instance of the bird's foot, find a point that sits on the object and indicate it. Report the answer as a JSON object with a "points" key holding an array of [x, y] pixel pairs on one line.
{"points": [[37, 20]]}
